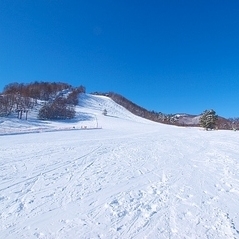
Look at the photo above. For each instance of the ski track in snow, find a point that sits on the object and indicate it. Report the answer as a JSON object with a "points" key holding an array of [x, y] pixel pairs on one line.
{"points": [[131, 179]]}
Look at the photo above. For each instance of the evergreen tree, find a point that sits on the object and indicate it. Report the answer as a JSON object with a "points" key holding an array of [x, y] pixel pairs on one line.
{"points": [[208, 119], [104, 112]]}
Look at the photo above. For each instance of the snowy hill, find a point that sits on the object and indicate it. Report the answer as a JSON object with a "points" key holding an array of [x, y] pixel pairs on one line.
{"points": [[132, 178], [88, 115]]}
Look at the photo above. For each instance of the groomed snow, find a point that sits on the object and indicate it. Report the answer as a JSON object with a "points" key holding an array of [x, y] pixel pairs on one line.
{"points": [[131, 178]]}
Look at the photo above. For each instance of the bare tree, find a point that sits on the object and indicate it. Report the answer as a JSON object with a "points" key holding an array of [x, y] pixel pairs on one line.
{"points": [[58, 109]]}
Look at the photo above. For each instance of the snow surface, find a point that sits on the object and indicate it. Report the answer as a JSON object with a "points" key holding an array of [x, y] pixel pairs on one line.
{"points": [[131, 178]]}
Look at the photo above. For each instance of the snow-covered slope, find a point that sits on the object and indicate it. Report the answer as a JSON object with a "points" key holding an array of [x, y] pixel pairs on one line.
{"points": [[88, 115], [131, 179]]}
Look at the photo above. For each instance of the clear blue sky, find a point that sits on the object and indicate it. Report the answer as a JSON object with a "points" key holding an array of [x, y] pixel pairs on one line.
{"points": [[170, 56]]}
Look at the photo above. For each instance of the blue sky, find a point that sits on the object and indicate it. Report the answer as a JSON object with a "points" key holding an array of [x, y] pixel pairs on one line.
{"points": [[169, 56]]}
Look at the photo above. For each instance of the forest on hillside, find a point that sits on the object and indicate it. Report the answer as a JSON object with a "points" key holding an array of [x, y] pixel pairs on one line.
{"points": [[19, 98]]}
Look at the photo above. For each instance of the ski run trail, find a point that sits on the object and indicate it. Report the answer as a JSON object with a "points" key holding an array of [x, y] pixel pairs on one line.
{"points": [[130, 178]]}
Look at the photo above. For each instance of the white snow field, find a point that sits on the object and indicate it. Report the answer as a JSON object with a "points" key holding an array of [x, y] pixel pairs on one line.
{"points": [[131, 179]]}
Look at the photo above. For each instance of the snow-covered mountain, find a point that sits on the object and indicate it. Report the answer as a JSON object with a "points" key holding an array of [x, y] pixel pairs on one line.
{"points": [[127, 177], [186, 119]]}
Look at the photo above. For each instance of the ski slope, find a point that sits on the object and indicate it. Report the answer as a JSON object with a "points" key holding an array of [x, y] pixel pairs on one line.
{"points": [[131, 178]]}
